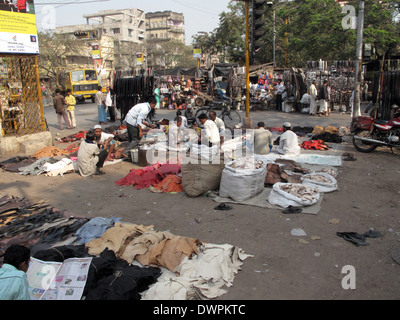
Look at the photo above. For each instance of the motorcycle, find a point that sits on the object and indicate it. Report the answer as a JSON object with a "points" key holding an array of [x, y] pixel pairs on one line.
{"points": [[369, 133]]}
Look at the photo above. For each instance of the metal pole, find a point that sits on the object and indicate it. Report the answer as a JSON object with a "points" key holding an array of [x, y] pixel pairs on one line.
{"points": [[357, 77], [274, 42], [247, 62]]}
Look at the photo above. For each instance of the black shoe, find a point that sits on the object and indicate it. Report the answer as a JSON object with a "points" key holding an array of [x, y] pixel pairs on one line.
{"points": [[99, 173], [292, 209], [222, 206]]}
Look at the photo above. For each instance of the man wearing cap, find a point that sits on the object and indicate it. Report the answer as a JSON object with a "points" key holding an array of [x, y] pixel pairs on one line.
{"points": [[288, 141], [136, 117], [102, 138]]}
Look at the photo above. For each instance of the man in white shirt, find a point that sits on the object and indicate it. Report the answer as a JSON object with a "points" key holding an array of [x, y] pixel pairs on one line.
{"points": [[288, 141], [109, 105], [136, 117], [280, 89], [220, 125], [210, 133], [313, 98], [175, 135]]}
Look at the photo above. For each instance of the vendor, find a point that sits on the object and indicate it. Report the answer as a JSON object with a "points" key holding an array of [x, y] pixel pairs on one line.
{"points": [[90, 157], [262, 139], [175, 134], [105, 141], [136, 117], [210, 134], [13, 280], [220, 125], [288, 141]]}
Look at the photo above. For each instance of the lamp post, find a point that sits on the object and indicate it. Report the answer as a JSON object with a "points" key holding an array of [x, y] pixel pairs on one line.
{"points": [[357, 77], [271, 4]]}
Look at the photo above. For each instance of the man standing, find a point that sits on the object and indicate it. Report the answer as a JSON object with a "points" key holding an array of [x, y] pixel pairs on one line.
{"points": [[157, 94], [288, 141], [280, 89], [101, 108], [313, 98], [136, 118], [220, 125], [59, 105], [90, 158], [262, 139], [109, 105], [70, 101], [13, 280], [210, 134], [323, 97]]}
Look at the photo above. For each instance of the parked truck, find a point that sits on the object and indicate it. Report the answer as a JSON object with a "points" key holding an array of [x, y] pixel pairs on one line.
{"points": [[83, 83]]}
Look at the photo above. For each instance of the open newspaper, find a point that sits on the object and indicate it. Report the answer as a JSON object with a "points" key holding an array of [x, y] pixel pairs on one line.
{"points": [[58, 280]]}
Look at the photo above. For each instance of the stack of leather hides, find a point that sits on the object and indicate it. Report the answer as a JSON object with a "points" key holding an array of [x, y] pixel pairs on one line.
{"points": [[276, 172]]}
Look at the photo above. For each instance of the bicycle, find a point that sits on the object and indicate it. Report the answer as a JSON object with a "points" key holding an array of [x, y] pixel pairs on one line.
{"points": [[231, 118]]}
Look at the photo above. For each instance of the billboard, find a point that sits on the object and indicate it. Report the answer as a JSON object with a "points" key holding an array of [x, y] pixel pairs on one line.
{"points": [[18, 33]]}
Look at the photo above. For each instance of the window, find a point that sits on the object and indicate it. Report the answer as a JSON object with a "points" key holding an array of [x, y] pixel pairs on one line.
{"points": [[77, 75], [90, 75], [116, 30]]}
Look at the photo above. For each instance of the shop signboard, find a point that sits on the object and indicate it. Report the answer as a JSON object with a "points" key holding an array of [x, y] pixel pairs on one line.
{"points": [[18, 32], [95, 51], [139, 58], [197, 53]]}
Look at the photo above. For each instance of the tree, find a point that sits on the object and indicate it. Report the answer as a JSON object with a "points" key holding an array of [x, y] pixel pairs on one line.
{"points": [[381, 25], [53, 48], [169, 54]]}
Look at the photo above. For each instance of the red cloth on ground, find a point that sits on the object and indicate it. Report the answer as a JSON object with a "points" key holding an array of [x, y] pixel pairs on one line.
{"points": [[170, 183], [314, 145], [148, 176]]}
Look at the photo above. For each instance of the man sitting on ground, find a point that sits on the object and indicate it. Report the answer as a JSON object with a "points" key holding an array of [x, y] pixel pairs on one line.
{"points": [[90, 158], [210, 134], [262, 139], [13, 280], [288, 141], [175, 135], [220, 125]]}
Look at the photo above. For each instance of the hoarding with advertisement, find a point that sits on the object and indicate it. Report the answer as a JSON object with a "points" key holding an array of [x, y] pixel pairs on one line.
{"points": [[18, 32]]}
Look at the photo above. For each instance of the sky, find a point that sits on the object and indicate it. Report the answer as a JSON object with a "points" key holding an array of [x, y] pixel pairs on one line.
{"points": [[199, 15]]}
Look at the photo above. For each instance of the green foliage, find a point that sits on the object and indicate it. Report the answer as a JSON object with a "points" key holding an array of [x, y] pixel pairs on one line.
{"points": [[306, 30]]}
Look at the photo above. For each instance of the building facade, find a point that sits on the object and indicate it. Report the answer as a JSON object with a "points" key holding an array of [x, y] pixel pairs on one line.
{"points": [[164, 26]]}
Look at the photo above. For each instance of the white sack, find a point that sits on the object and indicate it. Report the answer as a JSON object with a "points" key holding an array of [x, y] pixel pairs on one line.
{"points": [[242, 184], [322, 186], [285, 199]]}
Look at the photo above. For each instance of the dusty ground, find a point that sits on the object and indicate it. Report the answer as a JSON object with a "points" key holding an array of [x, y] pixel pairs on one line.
{"points": [[282, 267]]}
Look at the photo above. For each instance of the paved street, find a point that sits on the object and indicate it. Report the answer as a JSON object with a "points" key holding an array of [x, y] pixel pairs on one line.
{"points": [[86, 117]]}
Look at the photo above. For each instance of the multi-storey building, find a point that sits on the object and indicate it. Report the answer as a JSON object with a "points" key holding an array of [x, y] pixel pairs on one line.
{"points": [[165, 25]]}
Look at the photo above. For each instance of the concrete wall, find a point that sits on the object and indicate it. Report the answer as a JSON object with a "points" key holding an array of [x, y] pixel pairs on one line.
{"points": [[27, 144]]}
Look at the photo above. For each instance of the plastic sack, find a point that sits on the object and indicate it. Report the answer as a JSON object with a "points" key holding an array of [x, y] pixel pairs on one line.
{"points": [[284, 199], [242, 184], [199, 178], [327, 184]]}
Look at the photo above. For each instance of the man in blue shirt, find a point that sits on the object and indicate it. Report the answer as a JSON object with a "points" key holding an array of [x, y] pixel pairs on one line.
{"points": [[13, 280]]}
